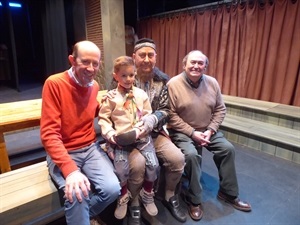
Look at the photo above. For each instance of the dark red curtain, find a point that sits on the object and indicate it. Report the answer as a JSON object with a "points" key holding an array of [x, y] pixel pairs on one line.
{"points": [[253, 49]]}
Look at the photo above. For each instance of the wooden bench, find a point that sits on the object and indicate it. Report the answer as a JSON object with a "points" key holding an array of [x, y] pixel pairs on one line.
{"points": [[270, 127], [276, 109], [17, 116], [28, 196]]}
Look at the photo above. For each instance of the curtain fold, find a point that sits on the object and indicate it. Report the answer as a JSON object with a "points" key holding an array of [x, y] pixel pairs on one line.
{"points": [[253, 49], [55, 36]]}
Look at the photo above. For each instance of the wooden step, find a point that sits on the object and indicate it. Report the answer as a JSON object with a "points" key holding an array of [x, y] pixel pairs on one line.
{"points": [[277, 134]]}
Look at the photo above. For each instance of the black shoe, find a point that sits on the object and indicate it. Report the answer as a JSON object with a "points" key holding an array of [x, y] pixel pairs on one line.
{"points": [[175, 208], [134, 217]]}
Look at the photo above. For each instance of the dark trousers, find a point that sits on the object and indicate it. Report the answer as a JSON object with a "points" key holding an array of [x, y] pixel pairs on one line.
{"points": [[224, 154]]}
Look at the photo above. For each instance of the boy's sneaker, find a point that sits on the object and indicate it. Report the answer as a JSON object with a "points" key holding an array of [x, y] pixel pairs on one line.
{"points": [[148, 202], [121, 209]]}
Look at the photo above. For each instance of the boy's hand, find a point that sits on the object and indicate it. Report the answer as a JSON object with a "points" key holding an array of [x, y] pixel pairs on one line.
{"points": [[112, 140], [137, 132]]}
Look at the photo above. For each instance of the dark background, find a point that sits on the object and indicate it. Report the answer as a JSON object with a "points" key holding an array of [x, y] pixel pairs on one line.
{"points": [[28, 38], [138, 9]]}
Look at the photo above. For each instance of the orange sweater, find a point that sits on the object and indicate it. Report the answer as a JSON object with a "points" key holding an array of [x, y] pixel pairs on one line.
{"points": [[67, 120]]}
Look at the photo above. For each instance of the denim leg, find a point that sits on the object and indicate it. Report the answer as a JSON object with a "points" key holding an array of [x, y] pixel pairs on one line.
{"points": [[95, 164], [76, 212], [100, 172], [224, 155], [192, 168], [121, 165], [147, 149]]}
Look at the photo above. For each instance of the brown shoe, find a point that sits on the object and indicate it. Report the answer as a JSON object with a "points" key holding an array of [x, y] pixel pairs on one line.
{"points": [[147, 198], [195, 212], [235, 202], [121, 209]]}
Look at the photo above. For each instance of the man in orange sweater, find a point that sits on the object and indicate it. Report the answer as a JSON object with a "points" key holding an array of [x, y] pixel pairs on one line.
{"points": [[75, 159]]}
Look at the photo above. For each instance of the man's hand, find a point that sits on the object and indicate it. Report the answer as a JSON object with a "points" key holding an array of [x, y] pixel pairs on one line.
{"points": [[202, 138], [150, 121], [78, 182], [109, 95]]}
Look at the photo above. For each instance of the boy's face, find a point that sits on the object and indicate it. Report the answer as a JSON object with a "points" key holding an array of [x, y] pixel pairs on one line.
{"points": [[125, 76]]}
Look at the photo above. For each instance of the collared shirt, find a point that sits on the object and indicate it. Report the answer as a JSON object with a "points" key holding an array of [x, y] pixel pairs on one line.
{"points": [[72, 75], [193, 84]]}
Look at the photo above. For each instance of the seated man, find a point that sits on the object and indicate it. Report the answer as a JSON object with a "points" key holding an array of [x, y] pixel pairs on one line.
{"points": [[197, 110], [76, 162]]}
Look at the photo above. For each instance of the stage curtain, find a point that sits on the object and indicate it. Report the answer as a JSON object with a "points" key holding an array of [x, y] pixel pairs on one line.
{"points": [[253, 48]]}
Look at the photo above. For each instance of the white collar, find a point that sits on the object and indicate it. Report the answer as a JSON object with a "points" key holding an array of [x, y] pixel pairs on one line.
{"points": [[72, 75]]}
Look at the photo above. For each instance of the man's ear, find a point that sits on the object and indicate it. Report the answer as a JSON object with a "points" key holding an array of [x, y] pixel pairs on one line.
{"points": [[72, 60]]}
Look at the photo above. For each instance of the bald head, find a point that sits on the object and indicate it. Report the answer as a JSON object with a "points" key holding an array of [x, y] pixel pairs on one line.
{"points": [[85, 46], [185, 59]]}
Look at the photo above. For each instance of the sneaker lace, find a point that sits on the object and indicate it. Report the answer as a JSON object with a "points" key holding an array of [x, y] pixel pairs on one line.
{"points": [[124, 199], [147, 197]]}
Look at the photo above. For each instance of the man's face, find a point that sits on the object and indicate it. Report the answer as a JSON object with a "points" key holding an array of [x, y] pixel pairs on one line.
{"points": [[195, 65], [125, 76], [86, 65], [145, 59]]}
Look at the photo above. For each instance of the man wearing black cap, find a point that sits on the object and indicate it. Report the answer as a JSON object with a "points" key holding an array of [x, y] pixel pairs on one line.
{"points": [[153, 82]]}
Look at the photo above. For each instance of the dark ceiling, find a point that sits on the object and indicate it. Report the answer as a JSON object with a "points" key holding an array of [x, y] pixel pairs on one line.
{"points": [[148, 8], [138, 9]]}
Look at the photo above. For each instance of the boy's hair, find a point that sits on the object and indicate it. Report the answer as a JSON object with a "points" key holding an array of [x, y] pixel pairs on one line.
{"points": [[122, 61]]}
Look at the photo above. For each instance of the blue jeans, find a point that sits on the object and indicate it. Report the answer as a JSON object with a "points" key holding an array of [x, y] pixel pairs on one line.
{"points": [[94, 163]]}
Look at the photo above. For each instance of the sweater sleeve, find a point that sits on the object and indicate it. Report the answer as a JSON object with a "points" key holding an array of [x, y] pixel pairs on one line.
{"points": [[50, 127]]}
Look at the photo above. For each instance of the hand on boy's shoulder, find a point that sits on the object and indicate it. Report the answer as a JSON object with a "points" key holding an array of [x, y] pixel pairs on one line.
{"points": [[109, 95]]}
